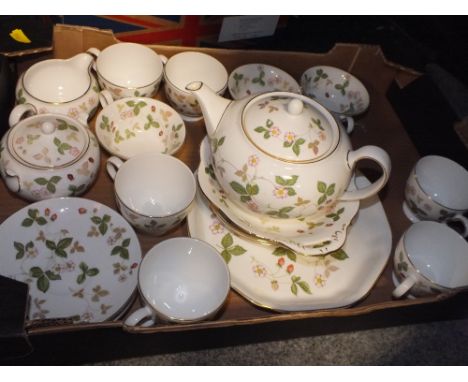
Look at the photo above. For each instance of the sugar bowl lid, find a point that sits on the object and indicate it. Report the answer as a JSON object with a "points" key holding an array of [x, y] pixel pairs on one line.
{"points": [[290, 127], [48, 141]]}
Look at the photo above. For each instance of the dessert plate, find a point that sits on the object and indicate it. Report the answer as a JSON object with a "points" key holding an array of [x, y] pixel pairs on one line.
{"points": [[310, 236], [277, 278], [79, 257]]}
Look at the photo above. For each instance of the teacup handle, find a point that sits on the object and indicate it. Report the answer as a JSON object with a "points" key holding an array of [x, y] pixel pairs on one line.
{"points": [[348, 121], [105, 98], [461, 219], [19, 111], [383, 160], [163, 58], [112, 166], [94, 52], [139, 315], [404, 287]]}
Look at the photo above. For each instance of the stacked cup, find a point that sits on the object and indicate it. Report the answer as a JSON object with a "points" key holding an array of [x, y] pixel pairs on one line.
{"points": [[431, 257]]}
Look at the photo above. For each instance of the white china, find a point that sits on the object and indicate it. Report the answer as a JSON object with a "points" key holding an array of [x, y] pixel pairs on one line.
{"points": [[279, 279], [154, 191], [60, 86], [185, 67], [181, 280], [430, 258], [336, 89], [130, 126], [47, 155], [436, 190], [250, 79], [282, 154], [129, 70], [307, 236], [79, 258]]}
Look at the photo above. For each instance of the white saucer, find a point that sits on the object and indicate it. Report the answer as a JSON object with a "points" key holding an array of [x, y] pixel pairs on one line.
{"points": [[277, 278]]}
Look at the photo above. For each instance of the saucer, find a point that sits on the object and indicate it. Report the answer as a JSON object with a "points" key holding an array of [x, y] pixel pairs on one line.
{"points": [[276, 278], [308, 236], [252, 79], [131, 126], [79, 258]]}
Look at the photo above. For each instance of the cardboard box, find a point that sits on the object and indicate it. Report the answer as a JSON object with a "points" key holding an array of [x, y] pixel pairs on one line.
{"points": [[379, 126]]}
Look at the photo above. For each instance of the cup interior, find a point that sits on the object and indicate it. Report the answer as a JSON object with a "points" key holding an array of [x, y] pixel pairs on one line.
{"points": [[56, 81], [184, 279], [155, 185], [444, 181], [129, 65], [336, 89], [260, 78], [438, 253], [186, 67]]}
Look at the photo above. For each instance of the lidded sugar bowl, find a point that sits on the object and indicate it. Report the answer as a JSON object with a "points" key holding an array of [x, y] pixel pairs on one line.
{"points": [[47, 155]]}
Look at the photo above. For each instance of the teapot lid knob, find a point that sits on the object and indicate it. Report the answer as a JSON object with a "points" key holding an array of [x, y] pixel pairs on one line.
{"points": [[47, 127], [295, 107]]}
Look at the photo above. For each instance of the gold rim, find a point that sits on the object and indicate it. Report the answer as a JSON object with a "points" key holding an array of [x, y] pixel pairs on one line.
{"points": [[335, 126]]}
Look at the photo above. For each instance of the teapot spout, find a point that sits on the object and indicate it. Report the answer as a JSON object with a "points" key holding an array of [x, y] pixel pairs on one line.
{"points": [[211, 104], [81, 61]]}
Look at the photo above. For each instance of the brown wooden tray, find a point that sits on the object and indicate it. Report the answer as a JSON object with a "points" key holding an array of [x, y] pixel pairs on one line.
{"points": [[379, 126]]}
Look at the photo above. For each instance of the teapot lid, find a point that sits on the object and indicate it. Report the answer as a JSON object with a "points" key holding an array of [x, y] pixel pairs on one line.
{"points": [[48, 141], [290, 127]]}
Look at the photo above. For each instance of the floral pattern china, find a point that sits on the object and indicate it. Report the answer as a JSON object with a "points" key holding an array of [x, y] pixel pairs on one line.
{"points": [[48, 155], [130, 126], [277, 278], [79, 257], [252, 79], [310, 236], [337, 90]]}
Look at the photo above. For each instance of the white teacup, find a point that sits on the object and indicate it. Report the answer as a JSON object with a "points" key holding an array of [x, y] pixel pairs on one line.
{"points": [[153, 191], [186, 67], [437, 189], [181, 280], [128, 69], [430, 258]]}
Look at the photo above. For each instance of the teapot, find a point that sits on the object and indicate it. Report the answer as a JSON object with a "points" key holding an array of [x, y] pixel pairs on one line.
{"points": [[282, 154], [61, 86], [45, 156]]}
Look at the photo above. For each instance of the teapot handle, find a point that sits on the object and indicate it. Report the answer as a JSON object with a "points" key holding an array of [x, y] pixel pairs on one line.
{"points": [[19, 111], [383, 160]]}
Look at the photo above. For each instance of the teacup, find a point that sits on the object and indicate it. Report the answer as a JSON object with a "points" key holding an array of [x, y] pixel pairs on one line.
{"points": [[337, 90], [436, 189], [430, 258], [128, 69], [260, 78], [181, 280], [186, 67], [134, 125], [153, 191]]}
